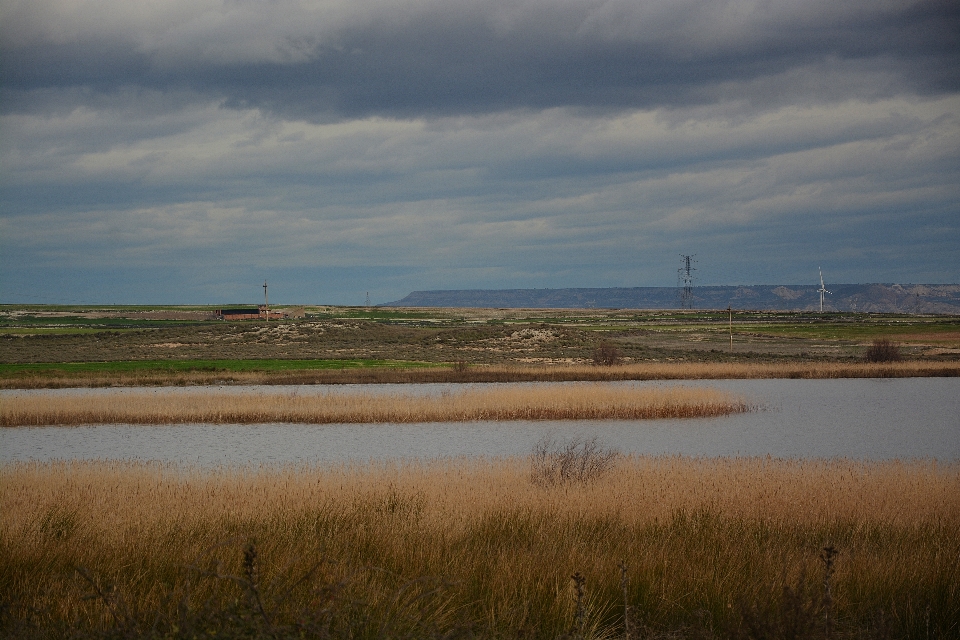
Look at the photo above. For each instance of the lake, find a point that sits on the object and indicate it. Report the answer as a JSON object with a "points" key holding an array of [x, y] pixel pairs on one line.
{"points": [[856, 418]]}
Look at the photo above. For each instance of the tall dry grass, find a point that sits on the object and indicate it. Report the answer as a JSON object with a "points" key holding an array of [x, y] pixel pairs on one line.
{"points": [[461, 372], [581, 401], [476, 546]]}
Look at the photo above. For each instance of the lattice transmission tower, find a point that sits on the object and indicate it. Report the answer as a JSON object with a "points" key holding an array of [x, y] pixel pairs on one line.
{"points": [[685, 281]]}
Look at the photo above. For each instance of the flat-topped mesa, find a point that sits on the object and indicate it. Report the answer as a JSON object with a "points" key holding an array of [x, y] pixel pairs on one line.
{"points": [[866, 298]]}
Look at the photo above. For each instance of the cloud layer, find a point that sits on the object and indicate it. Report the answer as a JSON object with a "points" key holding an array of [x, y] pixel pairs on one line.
{"points": [[345, 147]]}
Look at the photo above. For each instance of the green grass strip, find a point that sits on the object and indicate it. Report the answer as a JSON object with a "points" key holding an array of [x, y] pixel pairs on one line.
{"points": [[863, 331], [140, 366]]}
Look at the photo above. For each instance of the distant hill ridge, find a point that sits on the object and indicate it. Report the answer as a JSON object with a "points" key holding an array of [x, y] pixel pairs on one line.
{"points": [[873, 298]]}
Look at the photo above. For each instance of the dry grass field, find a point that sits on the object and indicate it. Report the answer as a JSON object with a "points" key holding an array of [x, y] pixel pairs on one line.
{"points": [[483, 548], [568, 402]]}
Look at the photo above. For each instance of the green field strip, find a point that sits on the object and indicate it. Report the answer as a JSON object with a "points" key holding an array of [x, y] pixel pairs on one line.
{"points": [[851, 331], [167, 366]]}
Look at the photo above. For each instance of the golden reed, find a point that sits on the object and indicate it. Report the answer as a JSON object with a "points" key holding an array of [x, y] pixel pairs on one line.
{"points": [[698, 537], [551, 402]]}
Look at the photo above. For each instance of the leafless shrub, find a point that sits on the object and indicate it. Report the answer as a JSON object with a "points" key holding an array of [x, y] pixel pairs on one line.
{"points": [[883, 350], [606, 354], [578, 461]]}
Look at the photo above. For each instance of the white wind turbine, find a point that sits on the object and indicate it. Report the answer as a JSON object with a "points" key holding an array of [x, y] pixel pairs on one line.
{"points": [[822, 290]]}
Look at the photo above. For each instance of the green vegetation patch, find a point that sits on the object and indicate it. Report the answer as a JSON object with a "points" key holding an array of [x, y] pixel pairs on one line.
{"points": [[853, 330], [145, 366]]}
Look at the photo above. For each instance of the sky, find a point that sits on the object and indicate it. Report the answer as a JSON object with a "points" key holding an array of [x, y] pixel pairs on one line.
{"points": [[186, 151]]}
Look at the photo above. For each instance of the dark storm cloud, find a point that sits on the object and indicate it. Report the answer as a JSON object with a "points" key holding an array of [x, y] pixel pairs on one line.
{"points": [[393, 145], [415, 58]]}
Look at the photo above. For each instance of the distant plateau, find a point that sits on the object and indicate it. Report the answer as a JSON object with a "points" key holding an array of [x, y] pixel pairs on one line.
{"points": [[865, 298]]}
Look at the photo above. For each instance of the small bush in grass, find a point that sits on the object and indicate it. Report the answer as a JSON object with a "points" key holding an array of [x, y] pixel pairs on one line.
{"points": [[606, 354], [578, 461], [883, 350]]}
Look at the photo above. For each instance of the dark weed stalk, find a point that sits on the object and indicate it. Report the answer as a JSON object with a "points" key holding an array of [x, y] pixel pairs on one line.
{"points": [[828, 555], [252, 587], [579, 612], [624, 584]]}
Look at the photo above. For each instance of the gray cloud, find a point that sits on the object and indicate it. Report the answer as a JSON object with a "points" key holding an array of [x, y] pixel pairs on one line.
{"points": [[407, 59], [427, 144]]}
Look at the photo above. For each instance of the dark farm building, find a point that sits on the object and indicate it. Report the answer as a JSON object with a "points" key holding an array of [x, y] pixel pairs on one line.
{"points": [[260, 313]]}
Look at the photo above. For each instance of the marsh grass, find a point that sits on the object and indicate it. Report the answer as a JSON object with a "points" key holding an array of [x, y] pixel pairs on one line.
{"points": [[579, 401], [462, 372], [474, 548]]}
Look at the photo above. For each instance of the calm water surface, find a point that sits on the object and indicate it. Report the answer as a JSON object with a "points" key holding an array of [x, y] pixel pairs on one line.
{"points": [[861, 418]]}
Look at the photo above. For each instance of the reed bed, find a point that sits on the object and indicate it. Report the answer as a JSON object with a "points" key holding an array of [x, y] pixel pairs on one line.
{"points": [[476, 548], [497, 373], [568, 402]]}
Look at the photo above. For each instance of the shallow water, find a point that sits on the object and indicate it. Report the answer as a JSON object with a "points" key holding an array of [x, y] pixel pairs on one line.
{"points": [[855, 418]]}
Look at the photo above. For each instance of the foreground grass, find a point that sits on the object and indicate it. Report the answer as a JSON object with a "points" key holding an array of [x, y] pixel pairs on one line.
{"points": [[568, 402], [709, 548], [53, 376]]}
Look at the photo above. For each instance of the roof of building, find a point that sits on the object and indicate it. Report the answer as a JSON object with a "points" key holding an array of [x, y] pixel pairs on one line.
{"points": [[238, 312]]}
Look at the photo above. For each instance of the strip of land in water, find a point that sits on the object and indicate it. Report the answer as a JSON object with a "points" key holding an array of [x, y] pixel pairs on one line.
{"points": [[53, 376], [576, 402]]}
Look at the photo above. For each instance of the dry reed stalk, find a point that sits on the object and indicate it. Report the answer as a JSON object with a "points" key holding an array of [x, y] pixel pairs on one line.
{"points": [[581, 401], [699, 534]]}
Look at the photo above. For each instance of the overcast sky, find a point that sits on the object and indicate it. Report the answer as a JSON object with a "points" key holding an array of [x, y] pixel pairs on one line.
{"points": [[184, 151]]}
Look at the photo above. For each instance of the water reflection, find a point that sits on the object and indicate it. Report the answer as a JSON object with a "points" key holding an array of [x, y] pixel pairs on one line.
{"points": [[863, 418]]}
